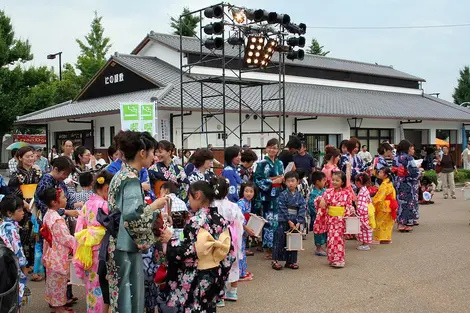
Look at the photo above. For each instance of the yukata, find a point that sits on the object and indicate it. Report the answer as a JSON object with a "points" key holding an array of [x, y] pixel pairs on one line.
{"points": [[116, 166], [125, 271], [331, 220], [89, 234], [407, 187], [231, 173], [245, 173], [56, 259], [362, 210], [152, 259], [267, 204], [18, 178], [319, 239], [46, 182], [384, 215], [196, 175], [328, 170], [173, 173], [3, 186], [38, 267], [357, 166], [188, 288], [379, 163], [9, 233], [177, 205], [232, 214], [245, 208], [292, 207]]}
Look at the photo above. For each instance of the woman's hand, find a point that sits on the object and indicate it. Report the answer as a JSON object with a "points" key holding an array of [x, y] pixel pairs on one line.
{"points": [[78, 205], [160, 203], [93, 162], [71, 213], [278, 180], [146, 186], [165, 235]]}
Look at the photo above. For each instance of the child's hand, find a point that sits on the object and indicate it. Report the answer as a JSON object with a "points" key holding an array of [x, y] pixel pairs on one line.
{"points": [[250, 232], [291, 225], [297, 225], [165, 235], [322, 203]]}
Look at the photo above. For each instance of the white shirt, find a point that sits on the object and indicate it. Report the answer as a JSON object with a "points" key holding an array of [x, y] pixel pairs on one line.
{"points": [[365, 156]]}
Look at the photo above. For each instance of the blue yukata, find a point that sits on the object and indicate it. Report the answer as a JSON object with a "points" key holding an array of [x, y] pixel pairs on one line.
{"points": [[173, 173], [407, 189], [292, 207], [46, 182], [38, 267], [116, 166], [319, 239], [245, 206], [231, 173], [267, 204], [357, 166]]}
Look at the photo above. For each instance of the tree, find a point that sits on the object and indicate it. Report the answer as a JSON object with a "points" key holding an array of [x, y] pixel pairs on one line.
{"points": [[462, 91], [93, 50], [316, 49], [189, 24]]}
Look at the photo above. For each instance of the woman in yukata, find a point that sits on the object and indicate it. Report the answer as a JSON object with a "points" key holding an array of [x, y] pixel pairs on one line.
{"points": [[268, 177], [202, 161], [232, 158], [200, 264], [126, 196]]}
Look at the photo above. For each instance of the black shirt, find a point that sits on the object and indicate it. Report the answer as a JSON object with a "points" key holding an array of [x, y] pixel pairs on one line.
{"points": [[286, 157], [305, 162]]}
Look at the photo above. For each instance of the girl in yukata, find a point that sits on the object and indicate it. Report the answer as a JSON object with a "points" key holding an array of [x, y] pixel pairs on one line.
{"points": [[200, 264], [202, 161], [247, 195], [11, 208], [232, 157], [268, 177], [333, 206], [385, 152], [89, 234], [232, 214], [362, 210], [245, 169], [58, 244], [386, 205], [332, 156]]}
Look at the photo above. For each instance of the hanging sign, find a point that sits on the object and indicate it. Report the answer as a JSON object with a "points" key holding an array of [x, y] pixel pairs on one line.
{"points": [[164, 129], [138, 117]]}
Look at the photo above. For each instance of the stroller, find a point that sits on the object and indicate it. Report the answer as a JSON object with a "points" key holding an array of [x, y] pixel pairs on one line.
{"points": [[9, 280]]}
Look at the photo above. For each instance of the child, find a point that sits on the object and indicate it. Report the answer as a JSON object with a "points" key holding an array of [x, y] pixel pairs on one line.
{"points": [[362, 210], [86, 183], [319, 181], [245, 169], [11, 208], [292, 207], [426, 185], [386, 205], [332, 207], [179, 210], [89, 234], [38, 270], [232, 214], [304, 189], [195, 274], [247, 194], [58, 243]]}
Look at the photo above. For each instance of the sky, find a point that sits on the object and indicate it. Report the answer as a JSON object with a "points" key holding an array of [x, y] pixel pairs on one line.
{"points": [[435, 54]]}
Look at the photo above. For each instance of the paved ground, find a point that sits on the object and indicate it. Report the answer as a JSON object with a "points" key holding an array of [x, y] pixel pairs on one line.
{"points": [[422, 272]]}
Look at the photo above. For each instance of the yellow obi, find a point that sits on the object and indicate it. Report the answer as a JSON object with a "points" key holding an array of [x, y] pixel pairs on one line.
{"points": [[86, 239], [210, 251], [336, 211]]}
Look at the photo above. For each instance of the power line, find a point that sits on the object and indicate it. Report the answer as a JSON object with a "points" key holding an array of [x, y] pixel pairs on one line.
{"points": [[390, 27]]}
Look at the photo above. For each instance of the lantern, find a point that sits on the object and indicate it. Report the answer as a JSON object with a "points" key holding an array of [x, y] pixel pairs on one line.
{"points": [[294, 241], [353, 225], [256, 223]]}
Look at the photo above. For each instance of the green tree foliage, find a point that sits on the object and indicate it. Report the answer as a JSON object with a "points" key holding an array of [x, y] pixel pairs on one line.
{"points": [[93, 50], [316, 49], [462, 91], [189, 24]]}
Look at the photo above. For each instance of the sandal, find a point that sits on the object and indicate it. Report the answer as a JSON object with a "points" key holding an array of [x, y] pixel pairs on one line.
{"points": [[249, 253], [276, 266], [268, 256], [408, 229], [292, 266], [402, 228], [37, 277]]}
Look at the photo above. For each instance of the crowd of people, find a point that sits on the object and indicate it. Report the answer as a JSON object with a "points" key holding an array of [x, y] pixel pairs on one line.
{"points": [[156, 230]]}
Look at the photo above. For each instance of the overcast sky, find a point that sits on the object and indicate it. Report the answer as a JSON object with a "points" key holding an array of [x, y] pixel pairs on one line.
{"points": [[435, 54]]}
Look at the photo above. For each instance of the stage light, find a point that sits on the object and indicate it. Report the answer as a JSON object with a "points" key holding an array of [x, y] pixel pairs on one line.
{"points": [[235, 41], [214, 43], [296, 41], [250, 14], [268, 52], [214, 28], [238, 15], [300, 29], [253, 50], [296, 55], [261, 15], [214, 12], [274, 18]]}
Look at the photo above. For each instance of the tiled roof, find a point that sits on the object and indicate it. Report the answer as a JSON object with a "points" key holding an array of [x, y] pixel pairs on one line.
{"points": [[301, 99], [191, 44]]}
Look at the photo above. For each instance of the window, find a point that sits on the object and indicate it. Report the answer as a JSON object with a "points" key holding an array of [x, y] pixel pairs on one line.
{"points": [[112, 133], [372, 137], [102, 143]]}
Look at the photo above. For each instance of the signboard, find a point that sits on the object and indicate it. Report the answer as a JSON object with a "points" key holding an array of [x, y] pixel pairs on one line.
{"points": [[31, 139], [138, 117], [164, 129]]}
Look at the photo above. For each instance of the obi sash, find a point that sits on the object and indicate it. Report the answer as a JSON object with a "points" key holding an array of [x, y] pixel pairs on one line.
{"points": [[336, 210], [87, 239]]}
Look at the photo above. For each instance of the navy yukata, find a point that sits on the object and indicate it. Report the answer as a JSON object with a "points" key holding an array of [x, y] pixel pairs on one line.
{"points": [[231, 173], [292, 207]]}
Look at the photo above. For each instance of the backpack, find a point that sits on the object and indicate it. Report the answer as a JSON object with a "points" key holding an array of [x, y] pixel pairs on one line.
{"points": [[9, 280]]}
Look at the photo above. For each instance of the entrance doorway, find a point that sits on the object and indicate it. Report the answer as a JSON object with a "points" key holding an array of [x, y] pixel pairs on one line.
{"points": [[316, 144]]}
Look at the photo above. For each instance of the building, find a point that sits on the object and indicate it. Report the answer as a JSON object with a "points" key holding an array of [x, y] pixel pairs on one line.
{"points": [[327, 99]]}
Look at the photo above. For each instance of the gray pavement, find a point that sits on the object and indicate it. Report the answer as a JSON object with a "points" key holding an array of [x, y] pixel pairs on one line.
{"points": [[421, 272]]}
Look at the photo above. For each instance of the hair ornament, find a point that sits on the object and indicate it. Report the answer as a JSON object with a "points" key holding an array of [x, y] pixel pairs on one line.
{"points": [[100, 180]]}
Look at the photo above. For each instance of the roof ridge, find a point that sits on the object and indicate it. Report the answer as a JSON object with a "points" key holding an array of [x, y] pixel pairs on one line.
{"points": [[128, 55]]}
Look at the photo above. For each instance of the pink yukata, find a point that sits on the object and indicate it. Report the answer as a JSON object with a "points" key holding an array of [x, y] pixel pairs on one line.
{"points": [[56, 259], [362, 210], [334, 226], [87, 221]]}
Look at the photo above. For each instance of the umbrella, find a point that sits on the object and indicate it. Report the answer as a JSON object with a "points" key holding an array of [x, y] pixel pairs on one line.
{"points": [[440, 142], [18, 145]]}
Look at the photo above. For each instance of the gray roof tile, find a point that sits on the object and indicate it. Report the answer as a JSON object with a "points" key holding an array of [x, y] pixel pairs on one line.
{"points": [[191, 44], [301, 99]]}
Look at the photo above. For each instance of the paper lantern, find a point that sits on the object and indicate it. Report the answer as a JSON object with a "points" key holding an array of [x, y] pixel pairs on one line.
{"points": [[353, 225], [256, 223], [294, 241], [74, 279], [28, 190]]}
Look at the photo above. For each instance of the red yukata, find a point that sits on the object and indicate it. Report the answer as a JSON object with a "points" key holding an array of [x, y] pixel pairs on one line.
{"points": [[362, 210], [335, 226]]}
